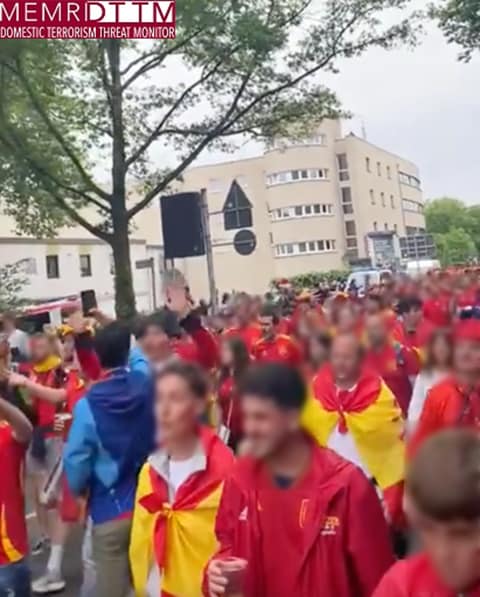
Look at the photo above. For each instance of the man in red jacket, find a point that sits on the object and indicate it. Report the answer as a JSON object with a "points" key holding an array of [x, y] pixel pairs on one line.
{"points": [[395, 363], [443, 504], [305, 522], [272, 346]]}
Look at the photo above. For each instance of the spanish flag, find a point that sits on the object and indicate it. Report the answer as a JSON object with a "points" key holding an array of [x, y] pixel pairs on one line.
{"points": [[370, 413], [178, 535]]}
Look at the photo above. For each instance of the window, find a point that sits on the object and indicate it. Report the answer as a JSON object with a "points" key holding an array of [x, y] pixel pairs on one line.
{"points": [[389, 173], [348, 209], [409, 180], [350, 228], [282, 144], [411, 230], [305, 247], [342, 161], [386, 226], [395, 228], [294, 175], [342, 164], [410, 205], [237, 210], [375, 226], [372, 197], [302, 211], [379, 169], [85, 266], [392, 201], [382, 199], [367, 164], [346, 195], [352, 243], [53, 270]]}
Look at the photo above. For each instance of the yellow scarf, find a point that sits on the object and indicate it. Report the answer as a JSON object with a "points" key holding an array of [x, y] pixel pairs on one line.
{"points": [[48, 364]]}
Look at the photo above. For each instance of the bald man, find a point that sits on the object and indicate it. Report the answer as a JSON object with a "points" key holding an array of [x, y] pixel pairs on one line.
{"points": [[397, 364], [354, 413]]}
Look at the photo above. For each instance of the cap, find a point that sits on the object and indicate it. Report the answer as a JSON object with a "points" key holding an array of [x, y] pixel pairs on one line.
{"points": [[468, 329]]}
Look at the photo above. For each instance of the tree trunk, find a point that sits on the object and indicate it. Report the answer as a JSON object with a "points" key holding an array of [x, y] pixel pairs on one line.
{"points": [[124, 291]]}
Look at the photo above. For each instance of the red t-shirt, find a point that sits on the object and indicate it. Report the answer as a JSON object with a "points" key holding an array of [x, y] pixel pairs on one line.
{"points": [[56, 378], [282, 349], [249, 334], [13, 529], [437, 310], [415, 577]]}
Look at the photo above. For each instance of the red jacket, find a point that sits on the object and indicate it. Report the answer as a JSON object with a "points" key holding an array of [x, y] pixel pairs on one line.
{"points": [[420, 336], [447, 405], [438, 309], [415, 577], [282, 349], [338, 544], [395, 364]]}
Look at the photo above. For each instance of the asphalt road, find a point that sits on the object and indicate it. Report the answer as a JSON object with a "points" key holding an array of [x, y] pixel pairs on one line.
{"points": [[72, 563]]}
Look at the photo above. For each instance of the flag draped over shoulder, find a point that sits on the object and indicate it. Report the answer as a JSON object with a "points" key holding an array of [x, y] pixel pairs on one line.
{"points": [[370, 413], [178, 536]]}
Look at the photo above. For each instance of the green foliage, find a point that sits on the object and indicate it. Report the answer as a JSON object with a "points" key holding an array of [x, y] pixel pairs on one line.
{"points": [[455, 247], [313, 279], [460, 22], [12, 281], [73, 112], [456, 228]]}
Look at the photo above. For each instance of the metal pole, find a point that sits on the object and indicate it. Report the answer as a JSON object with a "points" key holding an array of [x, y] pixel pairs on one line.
{"points": [[207, 239], [154, 289]]}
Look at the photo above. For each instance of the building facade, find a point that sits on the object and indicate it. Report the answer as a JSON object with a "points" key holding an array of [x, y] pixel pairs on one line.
{"points": [[313, 205]]}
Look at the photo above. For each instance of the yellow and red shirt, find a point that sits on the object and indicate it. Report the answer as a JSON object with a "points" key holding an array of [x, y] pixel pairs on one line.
{"points": [[13, 528]]}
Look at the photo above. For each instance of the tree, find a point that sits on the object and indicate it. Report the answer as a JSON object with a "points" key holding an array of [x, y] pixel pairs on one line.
{"points": [[12, 282], [460, 22], [455, 247], [441, 215], [248, 70]]}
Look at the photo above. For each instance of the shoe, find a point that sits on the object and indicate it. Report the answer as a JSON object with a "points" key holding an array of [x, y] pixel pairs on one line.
{"points": [[51, 582], [43, 544]]}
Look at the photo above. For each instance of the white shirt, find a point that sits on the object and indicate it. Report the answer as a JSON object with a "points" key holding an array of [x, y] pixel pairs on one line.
{"points": [[344, 445], [180, 470], [424, 382]]}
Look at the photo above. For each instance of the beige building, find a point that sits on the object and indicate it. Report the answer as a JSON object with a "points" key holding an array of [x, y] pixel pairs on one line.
{"points": [[313, 205]]}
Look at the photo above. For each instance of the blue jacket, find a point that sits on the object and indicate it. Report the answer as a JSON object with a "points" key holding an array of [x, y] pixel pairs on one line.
{"points": [[111, 436]]}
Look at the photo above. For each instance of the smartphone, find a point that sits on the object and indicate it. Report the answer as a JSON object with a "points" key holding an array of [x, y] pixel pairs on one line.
{"points": [[89, 301]]}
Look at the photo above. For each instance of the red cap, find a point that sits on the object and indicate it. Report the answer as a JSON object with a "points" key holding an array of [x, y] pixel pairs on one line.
{"points": [[469, 329]]}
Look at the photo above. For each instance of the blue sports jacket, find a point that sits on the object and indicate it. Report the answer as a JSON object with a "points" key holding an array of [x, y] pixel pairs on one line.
{"points": [[111, 436]]}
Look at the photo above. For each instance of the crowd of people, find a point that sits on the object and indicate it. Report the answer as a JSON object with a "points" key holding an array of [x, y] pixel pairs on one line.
{"points": [[315, 443]]}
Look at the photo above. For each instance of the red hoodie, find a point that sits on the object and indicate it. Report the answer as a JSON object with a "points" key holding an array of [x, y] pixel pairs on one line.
{"points": [[324, 536], [415, 577]]}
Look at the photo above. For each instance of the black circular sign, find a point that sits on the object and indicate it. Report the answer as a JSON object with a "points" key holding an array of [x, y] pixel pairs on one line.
{"points": [[245, 242]]}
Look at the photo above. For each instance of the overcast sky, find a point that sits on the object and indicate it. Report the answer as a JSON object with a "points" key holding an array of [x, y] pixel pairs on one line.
{"points": [[421, 104]]}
